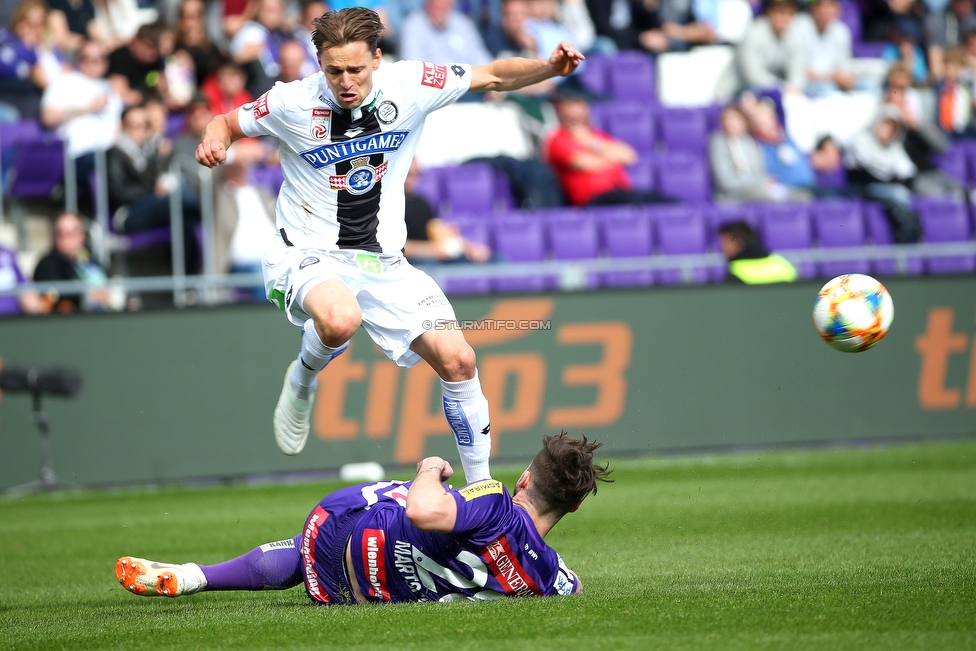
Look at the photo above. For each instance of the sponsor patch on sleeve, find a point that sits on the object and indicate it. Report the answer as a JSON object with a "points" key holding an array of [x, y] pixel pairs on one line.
{"points": [[480, 489], [261, 107], [435, 75]]}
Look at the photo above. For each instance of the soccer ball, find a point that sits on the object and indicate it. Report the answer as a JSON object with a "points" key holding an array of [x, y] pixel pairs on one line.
{"points": [[853, 312]]}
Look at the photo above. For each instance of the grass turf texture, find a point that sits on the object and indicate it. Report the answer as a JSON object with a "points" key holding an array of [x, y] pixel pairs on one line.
{"points": [[846, 549]]}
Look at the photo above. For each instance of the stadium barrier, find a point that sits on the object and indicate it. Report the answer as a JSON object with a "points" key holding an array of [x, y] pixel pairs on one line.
{"points": [[189, 394]]}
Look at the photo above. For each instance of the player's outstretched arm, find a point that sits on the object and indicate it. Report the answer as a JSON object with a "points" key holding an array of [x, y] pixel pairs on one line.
{"points": [[429, 506], [217, 137], [515, 73]]}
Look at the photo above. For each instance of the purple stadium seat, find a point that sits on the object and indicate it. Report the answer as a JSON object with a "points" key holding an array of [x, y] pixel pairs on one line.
{"points": [[12, 133], [787, 226], [520, 239], [684, 177], [840, 224], [631, 77], [38, 167], [475, 229], [131, 241], [850, 15], [504, 197], [574, 237], [725, 213], [270, 177], [868, 50], [627, 235], [642, 174], [631, 122], [713, 116], [684, 129], [879, 230], [953, 164], [681, 236], [429, 187], [174, 124], [946, 221], [834, 179], [469, 188], [593, 74]]}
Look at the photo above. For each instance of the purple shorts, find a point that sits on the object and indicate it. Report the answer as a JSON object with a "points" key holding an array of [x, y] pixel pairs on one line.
{"points": [[323, 546]]}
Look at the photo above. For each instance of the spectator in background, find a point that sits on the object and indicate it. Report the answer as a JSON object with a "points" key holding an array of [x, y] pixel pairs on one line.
{"points": [[736, 161], [291, 61], [630, 24], [947, 29], [680, 27], [771, 52], [905, 36], [24, 72], [575, 19], [878, 164], [879, 16], [900, 93], [191, 37], [591, 165], [141, 189], [72, 22], [236, 14], [439, 34], [136, 69], [198, 115], [311, 9], [117, 21], [70, 259], [430, 238], [749, 261], [85, 108], [783, 159], [825, 43], [510, 38], [257, 46], [954, 103], [226, 90], [27, 302]]}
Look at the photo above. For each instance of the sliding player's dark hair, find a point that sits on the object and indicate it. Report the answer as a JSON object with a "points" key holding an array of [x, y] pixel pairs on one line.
{"points": [[350, 25], [563, 473]]}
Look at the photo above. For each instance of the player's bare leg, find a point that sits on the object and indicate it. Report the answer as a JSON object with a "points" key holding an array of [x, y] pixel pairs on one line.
{"points": [[465, 406], [335, 318]]}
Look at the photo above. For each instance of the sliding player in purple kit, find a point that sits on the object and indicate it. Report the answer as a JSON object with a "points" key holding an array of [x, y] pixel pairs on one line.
{"points": [[347, 136], [394, 541]]}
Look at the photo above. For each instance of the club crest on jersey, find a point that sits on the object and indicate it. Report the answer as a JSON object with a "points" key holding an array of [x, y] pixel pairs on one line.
{"points": [[360, 179], [321, 123], [387, 112]]}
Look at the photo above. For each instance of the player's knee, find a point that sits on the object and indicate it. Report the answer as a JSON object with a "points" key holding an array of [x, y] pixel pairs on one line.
{"points": [[459, 364], [337, 324]]}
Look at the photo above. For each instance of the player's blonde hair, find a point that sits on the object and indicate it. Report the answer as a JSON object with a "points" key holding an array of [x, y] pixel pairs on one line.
{"points": [[351, 25]]}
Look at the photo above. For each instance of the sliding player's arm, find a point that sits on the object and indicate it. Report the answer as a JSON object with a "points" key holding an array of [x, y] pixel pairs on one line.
{"points": [[429, 506], [220, 133], [515, 73]]}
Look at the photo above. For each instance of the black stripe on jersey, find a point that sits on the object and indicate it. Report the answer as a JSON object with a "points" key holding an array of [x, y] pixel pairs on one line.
{"points": [[357, 213]]}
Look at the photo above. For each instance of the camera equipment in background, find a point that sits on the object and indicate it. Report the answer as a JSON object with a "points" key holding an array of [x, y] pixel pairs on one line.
{"points": [[38, 382]]}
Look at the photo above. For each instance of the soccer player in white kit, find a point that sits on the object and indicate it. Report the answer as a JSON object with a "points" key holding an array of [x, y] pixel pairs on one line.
{"points": [[347, 136]]}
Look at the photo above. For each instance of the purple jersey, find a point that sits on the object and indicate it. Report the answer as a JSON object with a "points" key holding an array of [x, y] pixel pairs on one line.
{"points": [[494, 550]]}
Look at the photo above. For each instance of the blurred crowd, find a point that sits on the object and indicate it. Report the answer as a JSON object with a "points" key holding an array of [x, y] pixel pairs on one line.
{"points": [[141, 78]]}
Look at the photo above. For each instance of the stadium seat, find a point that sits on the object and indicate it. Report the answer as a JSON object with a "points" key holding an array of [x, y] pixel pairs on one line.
{"points": [[520, 239], [627, 235], [126, 242], [429, 187], [787, 226], [850, 15], [946, 221], [725, 213], [834, 179], [475, 229], [631, 122], [504, 197], [12, 133], [574, 236], [631, 77], [868, 50], [684, 177], [270, 177], [954, 164], [879, 230], [469, 188], [684, 129], [713, 116], [593, 74], [38, 167], [642, 174], [839, 224], [681, 235]]}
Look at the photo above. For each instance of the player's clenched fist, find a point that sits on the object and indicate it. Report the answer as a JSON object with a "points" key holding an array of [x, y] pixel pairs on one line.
{"points": [[211, 152]]}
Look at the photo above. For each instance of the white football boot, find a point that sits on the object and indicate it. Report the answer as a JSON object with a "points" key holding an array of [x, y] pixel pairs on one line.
{"points": [[152, 579], [292, 417]]}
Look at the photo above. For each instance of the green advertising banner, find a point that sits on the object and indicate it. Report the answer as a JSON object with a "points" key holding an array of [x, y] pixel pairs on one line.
{"points": [[177, 395]]}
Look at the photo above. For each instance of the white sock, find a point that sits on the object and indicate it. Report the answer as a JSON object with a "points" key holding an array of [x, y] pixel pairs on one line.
{"points": [[312, 358], [466, 410]]}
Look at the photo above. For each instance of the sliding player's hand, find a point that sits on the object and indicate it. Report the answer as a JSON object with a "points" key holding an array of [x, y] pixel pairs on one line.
{"points": [[565, 59], [434, 464], [211, 152]]}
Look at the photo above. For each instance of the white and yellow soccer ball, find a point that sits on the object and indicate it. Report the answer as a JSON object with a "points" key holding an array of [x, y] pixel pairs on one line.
{"points": [[853, 312]]}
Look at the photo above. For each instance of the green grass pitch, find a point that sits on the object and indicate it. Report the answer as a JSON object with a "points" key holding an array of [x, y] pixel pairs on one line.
{"points": [[843, 549]]}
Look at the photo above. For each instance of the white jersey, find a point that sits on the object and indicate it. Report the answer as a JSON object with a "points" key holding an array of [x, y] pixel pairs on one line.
{"points": [[345, 169]]}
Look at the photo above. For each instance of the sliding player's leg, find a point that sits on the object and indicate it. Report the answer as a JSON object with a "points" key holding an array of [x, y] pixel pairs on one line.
{"points": [[274, 565], [465, 405], [335, 316]]}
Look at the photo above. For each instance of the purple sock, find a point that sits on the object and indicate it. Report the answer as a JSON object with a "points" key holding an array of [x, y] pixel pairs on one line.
{"points": [[275, 565]]}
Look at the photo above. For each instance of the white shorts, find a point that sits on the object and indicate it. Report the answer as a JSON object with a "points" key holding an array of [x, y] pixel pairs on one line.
{"points": [[398, 301]]}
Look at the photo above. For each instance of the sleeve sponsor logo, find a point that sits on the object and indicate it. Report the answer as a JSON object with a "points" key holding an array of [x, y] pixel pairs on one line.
{"points": [[321, 123], [480, 489], [435, 76], [281, 544], [458, 70], [374, 559], [507, 570], [261, 107], [338, 152]]}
